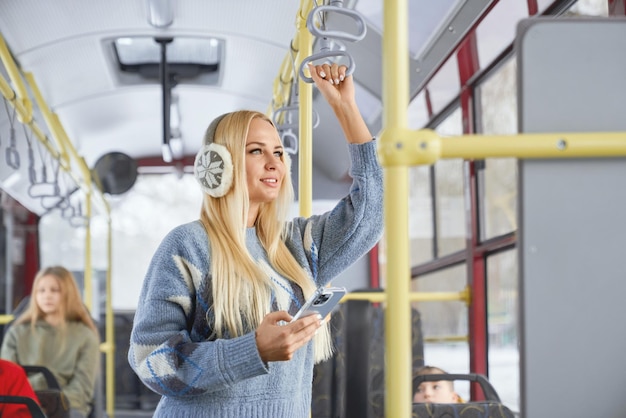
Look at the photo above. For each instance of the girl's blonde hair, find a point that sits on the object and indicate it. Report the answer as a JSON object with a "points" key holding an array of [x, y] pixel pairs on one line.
{"points": [[72, 307], [241, 288]]}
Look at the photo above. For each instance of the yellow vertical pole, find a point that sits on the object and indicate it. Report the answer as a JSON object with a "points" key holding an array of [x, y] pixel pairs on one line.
{"points": [[305, 116], [397, 317], [110, 331], [88, 293], [305, 134]]}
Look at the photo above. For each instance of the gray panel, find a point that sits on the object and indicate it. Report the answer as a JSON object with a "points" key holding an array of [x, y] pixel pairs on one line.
{"points": [[572, 247]]}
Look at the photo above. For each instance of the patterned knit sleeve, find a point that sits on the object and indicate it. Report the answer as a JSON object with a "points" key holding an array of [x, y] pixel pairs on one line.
{"points": [[169, 346], [336, 239]]}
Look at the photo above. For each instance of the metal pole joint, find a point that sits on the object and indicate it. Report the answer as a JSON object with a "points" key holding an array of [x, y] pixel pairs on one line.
{"points": [[404, 147]]}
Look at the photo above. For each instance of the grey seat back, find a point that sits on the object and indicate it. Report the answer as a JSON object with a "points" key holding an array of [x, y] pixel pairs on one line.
{"points": [[351, 383], [490, 408], [53, 401], [461, 410], [33, 408]]}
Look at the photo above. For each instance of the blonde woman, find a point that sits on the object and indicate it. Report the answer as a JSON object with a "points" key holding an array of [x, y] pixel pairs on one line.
{"points": [[56, 331], [207, 333]]}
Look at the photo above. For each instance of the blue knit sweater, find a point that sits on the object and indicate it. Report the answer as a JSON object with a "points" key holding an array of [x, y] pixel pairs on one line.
{"points": [[197, 377]]}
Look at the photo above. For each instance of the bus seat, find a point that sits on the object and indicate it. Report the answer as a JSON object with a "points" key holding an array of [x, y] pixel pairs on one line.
{"points": [[34, 409], [461, 410], [491, 407], [53, 400], [97, 404], [356, 371]]}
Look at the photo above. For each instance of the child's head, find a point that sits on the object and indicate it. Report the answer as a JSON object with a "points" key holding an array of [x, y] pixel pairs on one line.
{"points": [[55, 293], [434, 392]]}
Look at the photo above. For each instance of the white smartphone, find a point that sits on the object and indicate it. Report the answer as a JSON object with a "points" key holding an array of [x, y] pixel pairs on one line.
{"points": [[322, 302]]}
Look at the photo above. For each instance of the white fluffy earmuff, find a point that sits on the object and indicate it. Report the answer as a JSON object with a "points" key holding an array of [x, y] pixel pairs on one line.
{"points": [[213, 167]]}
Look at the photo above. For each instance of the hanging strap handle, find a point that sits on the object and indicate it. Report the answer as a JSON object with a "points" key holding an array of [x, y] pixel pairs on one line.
{"points": [[325, 36], [321, 32]]}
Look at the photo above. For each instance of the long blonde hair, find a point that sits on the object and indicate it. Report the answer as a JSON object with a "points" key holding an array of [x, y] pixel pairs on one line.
{"points": [[241, 288], [72, 307]]}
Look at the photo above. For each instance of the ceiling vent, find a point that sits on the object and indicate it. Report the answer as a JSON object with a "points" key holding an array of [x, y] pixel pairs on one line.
{"points": [[190, 60]]}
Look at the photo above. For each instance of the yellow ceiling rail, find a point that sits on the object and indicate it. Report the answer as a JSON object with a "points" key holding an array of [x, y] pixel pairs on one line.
{"points": [[48, 116], [25, 114], [301, 45], [22, 114], [36, 130], [9, 94], [282, 83], [67, 147], [425, 146], [23, 106]]}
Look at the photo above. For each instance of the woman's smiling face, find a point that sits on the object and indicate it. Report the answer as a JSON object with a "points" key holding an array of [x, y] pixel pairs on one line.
{"points": [[265, 168]]}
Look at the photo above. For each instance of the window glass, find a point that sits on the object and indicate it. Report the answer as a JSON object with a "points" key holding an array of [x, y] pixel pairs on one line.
{"points": [[502, 282], [140, 219], [425, 16], [370, 106], [445, 318], [445, 85], [498, 29], [498, 116], [420, 215], [543, 4], [142, 50], [590, 8], [444, 324], [450, 206], [417, 113]]}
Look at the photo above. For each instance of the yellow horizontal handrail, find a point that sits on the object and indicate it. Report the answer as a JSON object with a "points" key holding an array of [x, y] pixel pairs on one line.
{"points": [[5, 319], [408, 147], [463, 296], [446, 339]]}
